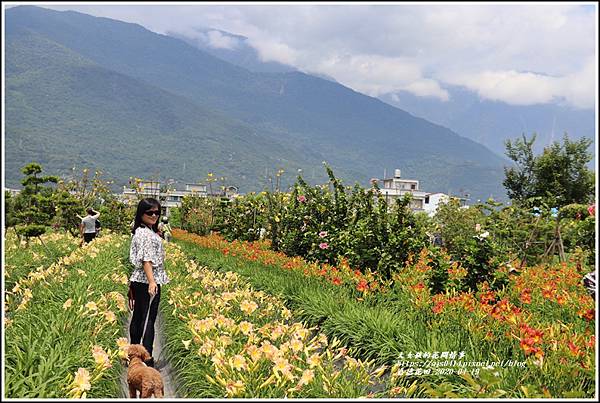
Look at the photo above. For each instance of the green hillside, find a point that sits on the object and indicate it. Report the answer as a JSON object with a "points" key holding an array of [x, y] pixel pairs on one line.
{"points": [[289, 120], [64, 110]]}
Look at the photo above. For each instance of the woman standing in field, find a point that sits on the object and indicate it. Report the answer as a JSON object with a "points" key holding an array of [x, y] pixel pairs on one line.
{"points": [[147, 256]]}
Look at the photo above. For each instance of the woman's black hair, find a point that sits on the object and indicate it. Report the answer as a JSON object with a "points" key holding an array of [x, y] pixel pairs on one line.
{"points": [[143, 206]]}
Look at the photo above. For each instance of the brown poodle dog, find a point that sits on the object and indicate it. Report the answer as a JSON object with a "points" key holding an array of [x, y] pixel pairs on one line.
{"points": [[141, 377]]}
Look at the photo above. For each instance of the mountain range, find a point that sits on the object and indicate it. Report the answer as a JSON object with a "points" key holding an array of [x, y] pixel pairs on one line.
{"points": [[109, 95], [492, 122], [485, 121]]}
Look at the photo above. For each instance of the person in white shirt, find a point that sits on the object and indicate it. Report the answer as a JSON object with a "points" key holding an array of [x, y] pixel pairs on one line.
{"points": [[589, 282], [87, 228]]}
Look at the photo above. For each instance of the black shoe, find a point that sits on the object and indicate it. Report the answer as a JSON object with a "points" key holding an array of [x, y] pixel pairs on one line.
{"points": [[150, 362]]}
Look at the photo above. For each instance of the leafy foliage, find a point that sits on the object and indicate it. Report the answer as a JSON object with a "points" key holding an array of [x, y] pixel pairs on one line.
{"points": [[33, 207], [37, 207], [559, 175]]}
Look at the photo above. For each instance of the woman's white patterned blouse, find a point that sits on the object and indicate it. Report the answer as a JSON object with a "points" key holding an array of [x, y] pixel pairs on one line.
{"points": [[146, 246]]}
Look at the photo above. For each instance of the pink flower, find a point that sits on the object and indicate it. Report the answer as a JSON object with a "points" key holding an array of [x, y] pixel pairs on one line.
{"points": [[322, 234], [301, 198], [324, 245], [373, 181], [592, 209]]}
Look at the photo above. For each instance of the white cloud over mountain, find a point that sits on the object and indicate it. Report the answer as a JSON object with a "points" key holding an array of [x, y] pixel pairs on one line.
{"points": [[515, 53], [217, 39]]}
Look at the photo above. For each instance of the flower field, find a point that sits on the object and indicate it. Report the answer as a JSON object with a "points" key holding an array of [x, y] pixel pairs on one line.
{"points": [[241, 320], [63, 318], [259, 251], [543, 318], [41, 252], [318, 291], [229, 340]]}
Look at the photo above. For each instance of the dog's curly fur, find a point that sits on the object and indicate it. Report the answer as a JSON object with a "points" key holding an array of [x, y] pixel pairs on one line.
{"points": [[140, 377]]}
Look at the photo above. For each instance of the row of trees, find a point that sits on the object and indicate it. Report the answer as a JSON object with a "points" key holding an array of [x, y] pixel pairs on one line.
{"points": [[50, 201], [327, 222]]}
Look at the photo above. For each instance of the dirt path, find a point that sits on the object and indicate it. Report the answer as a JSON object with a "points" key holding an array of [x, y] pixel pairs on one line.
{"points": [[164, 368]]}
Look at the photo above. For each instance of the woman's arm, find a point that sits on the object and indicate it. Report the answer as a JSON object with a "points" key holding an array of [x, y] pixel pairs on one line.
{"points": [[152, 287]]}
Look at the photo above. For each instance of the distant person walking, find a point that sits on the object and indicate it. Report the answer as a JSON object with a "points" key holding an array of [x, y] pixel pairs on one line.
{"points": [[87, 228], [147, 256], [164, 229]]}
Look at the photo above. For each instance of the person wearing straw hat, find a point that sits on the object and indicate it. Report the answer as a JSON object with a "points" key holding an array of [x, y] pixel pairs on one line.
{"points": [[147, 256]]}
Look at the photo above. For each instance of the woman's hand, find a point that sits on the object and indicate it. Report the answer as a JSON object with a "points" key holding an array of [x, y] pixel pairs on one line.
{"points": [[130, 298], [152, 288]]}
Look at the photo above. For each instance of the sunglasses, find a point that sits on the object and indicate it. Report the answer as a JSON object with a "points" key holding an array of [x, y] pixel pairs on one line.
{"points": [[152, 213]]}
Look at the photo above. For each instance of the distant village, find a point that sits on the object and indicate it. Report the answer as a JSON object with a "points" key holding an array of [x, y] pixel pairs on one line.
{"points": [[391, 188]]}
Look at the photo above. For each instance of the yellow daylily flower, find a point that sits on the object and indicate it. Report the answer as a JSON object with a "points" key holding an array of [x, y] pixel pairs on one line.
{"points": [[307, 376], [100, 357], [246, 327], [238, 362], [314, 360], [234, 388], [110, 316], [296, 345], [248, 306], [254, 352], [81, 383]]}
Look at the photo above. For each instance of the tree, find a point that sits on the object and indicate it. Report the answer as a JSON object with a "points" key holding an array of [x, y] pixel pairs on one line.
{"points": [[10, 218], [520, 181], [67, 209], [559, 175], [80, 191], [34, 207], [562, 175]]}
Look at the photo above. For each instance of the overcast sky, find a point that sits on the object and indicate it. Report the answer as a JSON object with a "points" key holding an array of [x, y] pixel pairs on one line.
{"points": [[517, 53]]}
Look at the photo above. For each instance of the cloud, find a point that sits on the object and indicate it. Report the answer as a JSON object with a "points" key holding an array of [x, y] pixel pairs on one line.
{"points": [[516, 53], [216, 39], [427, 88], [271, 50], [509, 86], [527, 88], [376, 75], [578, 87]]}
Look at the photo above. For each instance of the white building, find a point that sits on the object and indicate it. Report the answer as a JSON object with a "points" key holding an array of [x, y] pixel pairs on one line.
{"points": [[168, 198], [172, 197], [432, 202], [396, 187]]}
